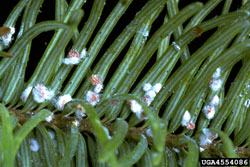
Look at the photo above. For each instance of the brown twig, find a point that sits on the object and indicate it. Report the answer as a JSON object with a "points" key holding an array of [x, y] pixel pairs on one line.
{"points": [[133, 133]]}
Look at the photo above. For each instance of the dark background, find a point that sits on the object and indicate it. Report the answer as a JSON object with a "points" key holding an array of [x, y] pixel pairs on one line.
{"points": [[47, 13]]}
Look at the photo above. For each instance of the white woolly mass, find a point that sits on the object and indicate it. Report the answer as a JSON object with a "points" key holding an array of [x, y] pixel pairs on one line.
{"points": [[204, 140], [71, 60], [34, 146], [26, 93], [186, 118], [215, 101], [207, 137], [75, 60], [147, 99], [83, 53], [217, 73], [190, 125], [215, 85], [147, 87], [209, 111], [92, 97], [80, 113], [42, 93], [6, 39], [12, 30], [157, 87], [136, 108], [49, 118], [98, 88], [150, 94], [62, 100]]}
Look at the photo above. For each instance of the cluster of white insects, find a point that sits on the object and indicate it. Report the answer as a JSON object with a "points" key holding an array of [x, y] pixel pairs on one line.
{"points": [[215, 86], [74, 57], [206, 138], [41, 93], [93, 97], [186, 121], [150, 93], [209, 109]]}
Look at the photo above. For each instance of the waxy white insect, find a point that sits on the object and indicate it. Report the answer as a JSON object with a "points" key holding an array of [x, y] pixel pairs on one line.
{"points": [[151, 92], [217, 73], [186, 118], [98, 88], [74, 57], [83, 53], [209, 111], [207, 137], [147, 87], [186, 121], [215, 101], [41, 93], [190, 125], [147, 99], [26, 93], [92, 97], [62, 100], [157, 87], [215, 84], [136, 108], [34, 146]]}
